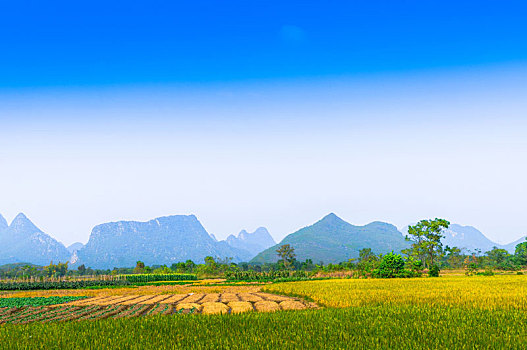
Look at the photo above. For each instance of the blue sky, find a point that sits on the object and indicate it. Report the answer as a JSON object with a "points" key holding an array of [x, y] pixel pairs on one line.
{"points": [[127, 42], [267, 113]]}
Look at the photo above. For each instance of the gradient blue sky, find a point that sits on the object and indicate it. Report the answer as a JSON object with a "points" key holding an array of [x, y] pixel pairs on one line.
{"points": [[261, 113]]}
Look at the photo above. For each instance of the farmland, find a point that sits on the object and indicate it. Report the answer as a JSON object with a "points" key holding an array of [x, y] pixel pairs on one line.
{"points": [[425, 313], [66, 308], [493, 292]]}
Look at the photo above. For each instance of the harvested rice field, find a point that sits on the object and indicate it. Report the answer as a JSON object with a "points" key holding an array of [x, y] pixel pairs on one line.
{"points": [[128, 306]]}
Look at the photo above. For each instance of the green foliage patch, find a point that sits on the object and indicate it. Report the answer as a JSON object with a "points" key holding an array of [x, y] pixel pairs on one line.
{"points": [[144, 278], [60, 285], [266, 276], [36, 301]]}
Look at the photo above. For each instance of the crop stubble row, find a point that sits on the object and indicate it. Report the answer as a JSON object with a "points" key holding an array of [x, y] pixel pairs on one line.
{"points": [[134, 306]]}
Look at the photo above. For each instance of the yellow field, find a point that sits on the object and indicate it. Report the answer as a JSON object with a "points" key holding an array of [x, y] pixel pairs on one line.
{"points": [[493, 292]]}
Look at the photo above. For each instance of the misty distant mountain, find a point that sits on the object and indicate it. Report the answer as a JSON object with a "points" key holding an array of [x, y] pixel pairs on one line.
{"points": [[164, 240], [178, 238], [332, 240], [23, 242], [74, 247], [469, 239], [253, 242], [3, 224], [511, 247]]}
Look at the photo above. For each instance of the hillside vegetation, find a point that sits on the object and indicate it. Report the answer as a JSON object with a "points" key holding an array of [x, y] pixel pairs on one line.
{"points": [[333, 240]]}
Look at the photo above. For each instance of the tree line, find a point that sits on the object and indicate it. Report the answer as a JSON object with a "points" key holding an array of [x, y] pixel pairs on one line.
{"points": [[426, 252]]}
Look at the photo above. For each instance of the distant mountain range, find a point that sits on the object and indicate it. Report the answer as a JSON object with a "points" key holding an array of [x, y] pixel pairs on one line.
{"points": [[170, 239], [22, 241], [333, 240], [164, 240], [253, 242], [471, 240], [75, 247]]}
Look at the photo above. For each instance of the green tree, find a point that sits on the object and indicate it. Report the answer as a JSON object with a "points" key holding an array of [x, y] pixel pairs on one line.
{"points": [[287, 255], [139, 267], [190, 266], [58, 270], [520, 254], [497, 257], [81, 269], [453, 257], [307, 265], [426, 237], [367, 261], [415, 265], [471, 265], [210, 265], [163, 270], [391, 265]]}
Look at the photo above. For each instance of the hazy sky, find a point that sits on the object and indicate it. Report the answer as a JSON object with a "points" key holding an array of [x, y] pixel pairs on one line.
{"points": [[264, 114]]}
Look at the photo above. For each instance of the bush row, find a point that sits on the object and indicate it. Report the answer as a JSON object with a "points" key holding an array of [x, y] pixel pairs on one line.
{"points": [[159, 277], [60, 285], [265, 276], [36, 301]]}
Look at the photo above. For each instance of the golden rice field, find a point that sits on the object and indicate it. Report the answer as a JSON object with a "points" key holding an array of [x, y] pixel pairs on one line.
{"points": [[483, 292]]}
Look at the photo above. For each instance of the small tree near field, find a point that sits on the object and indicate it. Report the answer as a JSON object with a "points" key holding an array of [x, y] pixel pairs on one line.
{"points": [[367, 261], [453, 258], [287, 255], [520, 253], [391, 265], [139, 267], [426, 237]]}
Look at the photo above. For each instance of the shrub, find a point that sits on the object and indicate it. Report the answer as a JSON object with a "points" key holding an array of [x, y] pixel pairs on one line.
{"points": [[60, 285], [265, 276], [488, 272], [160, 277], [392, 265], [433, 271]]}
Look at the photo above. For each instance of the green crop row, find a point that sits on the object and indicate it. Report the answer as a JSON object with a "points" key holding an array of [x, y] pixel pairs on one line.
{"points": [[265, 276], [36, 301], [60, 285], [159, 277]]}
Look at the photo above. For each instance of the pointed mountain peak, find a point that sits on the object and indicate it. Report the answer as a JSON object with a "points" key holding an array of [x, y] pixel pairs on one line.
{"points": [[261, 230], [3, 222], [21, 217], [243, 234], [22, 221], [331, 218]]}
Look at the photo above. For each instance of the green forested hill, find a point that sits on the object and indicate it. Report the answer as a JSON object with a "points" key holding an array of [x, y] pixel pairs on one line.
{"points": [[332, 240]]}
